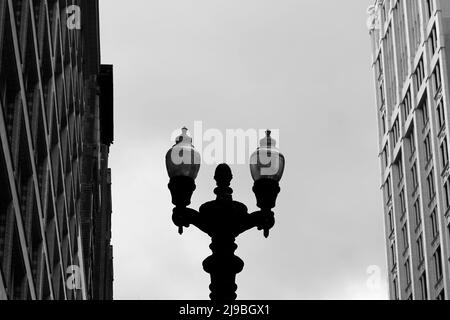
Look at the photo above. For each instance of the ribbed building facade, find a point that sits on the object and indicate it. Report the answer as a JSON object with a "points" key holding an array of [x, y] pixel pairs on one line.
{"points": [[56, 126], [410, 58]]}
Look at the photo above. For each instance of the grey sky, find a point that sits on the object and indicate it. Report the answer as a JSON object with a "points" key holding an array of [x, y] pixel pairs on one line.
{"points": [[299, 66]]}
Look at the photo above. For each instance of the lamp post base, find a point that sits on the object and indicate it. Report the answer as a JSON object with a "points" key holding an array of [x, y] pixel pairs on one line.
{"points": [[223, 265]]}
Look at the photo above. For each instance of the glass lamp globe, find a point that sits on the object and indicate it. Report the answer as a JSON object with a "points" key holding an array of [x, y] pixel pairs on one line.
{"points": [[267, 162], [182, 160]]}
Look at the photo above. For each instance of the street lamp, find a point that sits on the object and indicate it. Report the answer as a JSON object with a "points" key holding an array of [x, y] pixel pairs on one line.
{"points": [[224, 219]]}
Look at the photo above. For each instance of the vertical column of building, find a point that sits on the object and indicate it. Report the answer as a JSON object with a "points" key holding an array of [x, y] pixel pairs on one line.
{"points": [[88, 177], [103, 249], [382, 34], [393, 153], [5, 195], [376, 25], [420, 165], [437, 35]]}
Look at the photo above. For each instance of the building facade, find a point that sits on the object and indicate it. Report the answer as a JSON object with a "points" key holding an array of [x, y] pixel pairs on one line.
{"points": [[410, 60], [56, 126]]}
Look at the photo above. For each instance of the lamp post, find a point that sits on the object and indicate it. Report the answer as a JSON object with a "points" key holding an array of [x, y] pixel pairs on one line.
{"points": [[223, 219]]}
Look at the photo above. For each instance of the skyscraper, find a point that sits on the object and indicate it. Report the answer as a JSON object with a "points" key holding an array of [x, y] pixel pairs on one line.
{"points": [[56, 126], [410, 59]]}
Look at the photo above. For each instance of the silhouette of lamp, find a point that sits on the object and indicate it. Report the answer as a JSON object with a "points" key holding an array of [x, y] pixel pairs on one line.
{"points": [[183, 164], [223, 219]]}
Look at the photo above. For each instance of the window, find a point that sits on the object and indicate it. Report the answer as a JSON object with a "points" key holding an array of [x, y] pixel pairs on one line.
{"points": [[444, 153], [383, 14], [393, 255], [433, 41], [395, 286], [407, 104], [380, 65], [388, 188], [385, 158], [407, 272], [402, 202], [420, 73], [430, 183], [420, 249], [396, 131], [399, 170], [434, 224], [437, 78], [424, 108], [446, 195], [427, 144], [418, 219], [391, 222], [441, 114], [429, 7], [414, 176], [423, 286], [381, 93], [437, 259], [405, 236], [448, 231], [412, 144], [383, 123]]}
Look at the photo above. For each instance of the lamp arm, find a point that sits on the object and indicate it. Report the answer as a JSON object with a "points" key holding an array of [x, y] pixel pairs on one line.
{"points": [[184, 217], [262, 220]]}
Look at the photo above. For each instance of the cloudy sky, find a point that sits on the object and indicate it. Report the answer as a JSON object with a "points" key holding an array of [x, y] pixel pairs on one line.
{"points": [[299, 66]]}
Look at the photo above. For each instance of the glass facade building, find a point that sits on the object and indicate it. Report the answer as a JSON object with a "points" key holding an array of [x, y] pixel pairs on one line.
{"points": [[56, 126]]}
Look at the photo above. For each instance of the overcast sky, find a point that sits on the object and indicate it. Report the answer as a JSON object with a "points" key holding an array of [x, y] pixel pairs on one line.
{"points": [[299, 66]]}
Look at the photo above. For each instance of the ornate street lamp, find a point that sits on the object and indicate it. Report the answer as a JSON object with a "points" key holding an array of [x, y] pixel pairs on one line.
{"points": [[183, 164], [224, 219]]}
